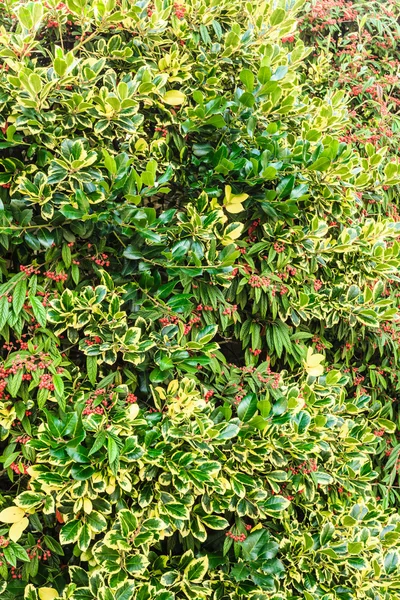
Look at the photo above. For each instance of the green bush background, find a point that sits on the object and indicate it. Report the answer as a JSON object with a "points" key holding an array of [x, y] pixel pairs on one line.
{"points": [[199, 300]]}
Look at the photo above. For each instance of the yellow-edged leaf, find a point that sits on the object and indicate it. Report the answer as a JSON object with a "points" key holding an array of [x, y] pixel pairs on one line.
{"points": [[12, 514], [239, 198], [233, 203], [232, 233], [315, 371], [33, 472], [17, 529], [46, 593], [236, 233], [174, 97], [161, 392], [133, 411], [87, 506], [312, 363], [315, 360], [234, 208]]}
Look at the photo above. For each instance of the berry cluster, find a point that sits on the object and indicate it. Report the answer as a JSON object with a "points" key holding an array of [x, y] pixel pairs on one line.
{"points": [[19, 469], [14, 574], [56, 276], [171, 320], [319, 345], [194, 321], [46, 382], [93, 406], [251, 230], [206, 308], [379, 432], [236, 538], [96, 340], [101, 260], [209, 394], [29, 270], [179, 10], [255, 352], [162, 130], [30, 364], [229, 310], [272, 379], [39, 552], [317, 285], [256, 281], [279, 247], [305, 467]]}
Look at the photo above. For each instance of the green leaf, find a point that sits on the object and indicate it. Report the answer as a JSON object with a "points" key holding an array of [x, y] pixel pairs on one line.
{"points": [[137, 564], [66, 255], [125, 591], [207, 334], [38, 309], [258, 546], [28, 499], [387, 425], [98, 443], [9, 555], [353, 292], [91, 368], [248, 100], [30, 592], [19, 296], [391, 562], [113, 450], [275, 505], [71, 213], [215, 522], [240, 572], [53, 545], [59, 390], [70, 532], [227, 431], [247, 407], [81, 473], [19, 552], [175, 509], [368, 317], [321, 164], [84, 537], [285, 186], [14, 383], [196, 570], [174, 97], [277, 16], [326, 534], [4, 311], [302, 422], [96, 521], [247, 78]]}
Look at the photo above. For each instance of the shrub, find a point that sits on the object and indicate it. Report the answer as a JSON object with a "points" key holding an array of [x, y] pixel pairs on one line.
{"points": [[184, 245], [360, 41]]}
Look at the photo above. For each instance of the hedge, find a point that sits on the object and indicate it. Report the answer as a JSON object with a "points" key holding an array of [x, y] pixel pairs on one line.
{"points": [[198, 303]]}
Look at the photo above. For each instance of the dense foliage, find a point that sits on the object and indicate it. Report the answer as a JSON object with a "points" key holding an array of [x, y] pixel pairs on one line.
{"points": [[361, 42], [199, 300]]}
